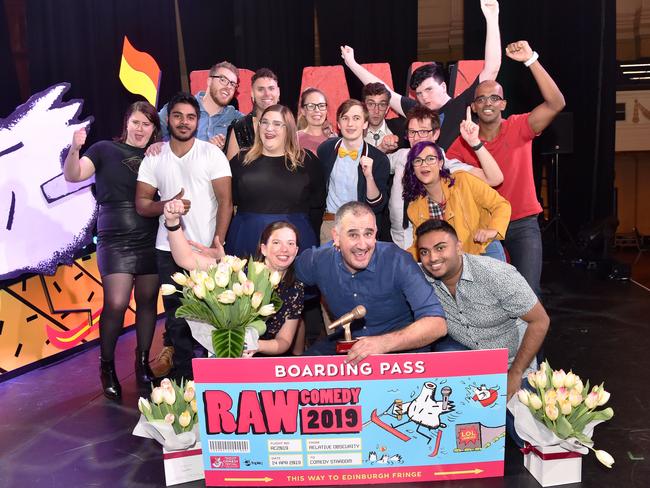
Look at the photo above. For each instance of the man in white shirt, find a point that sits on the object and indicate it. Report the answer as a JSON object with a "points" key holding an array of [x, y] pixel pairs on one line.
{"points": [[198, 173]]}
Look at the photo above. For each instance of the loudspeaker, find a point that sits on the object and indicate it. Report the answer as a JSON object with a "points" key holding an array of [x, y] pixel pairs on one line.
{"points": [[557, 138]]}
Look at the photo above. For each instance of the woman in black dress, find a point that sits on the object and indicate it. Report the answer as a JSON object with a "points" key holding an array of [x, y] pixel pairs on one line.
{"points": [[275, 180], [126, 241]]}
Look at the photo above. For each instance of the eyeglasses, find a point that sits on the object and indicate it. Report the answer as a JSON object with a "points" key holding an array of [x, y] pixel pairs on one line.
{"points": [[225, 81], [421, 133], [315, 106], [374, 105], [429, 160], [492, 98], [276, 125]]}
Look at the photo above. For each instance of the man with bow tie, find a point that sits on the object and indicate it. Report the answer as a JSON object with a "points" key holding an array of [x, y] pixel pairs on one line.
{"points": [[354, 170]]}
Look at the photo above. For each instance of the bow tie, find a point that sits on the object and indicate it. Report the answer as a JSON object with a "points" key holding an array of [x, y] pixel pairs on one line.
{"points": [[343, 152]]}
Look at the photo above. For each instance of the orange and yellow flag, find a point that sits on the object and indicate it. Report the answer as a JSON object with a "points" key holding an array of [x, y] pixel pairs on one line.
{"points": [[140, 73]]}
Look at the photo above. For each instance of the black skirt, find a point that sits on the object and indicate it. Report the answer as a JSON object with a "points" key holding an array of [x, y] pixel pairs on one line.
{"points": [[126, 241]]}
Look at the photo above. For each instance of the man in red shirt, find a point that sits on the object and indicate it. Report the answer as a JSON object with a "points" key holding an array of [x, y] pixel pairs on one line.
{"points": [[510, 142]]}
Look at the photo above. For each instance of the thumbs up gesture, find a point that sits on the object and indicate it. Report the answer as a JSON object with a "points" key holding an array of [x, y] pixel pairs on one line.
{"points": [[186, 203]]}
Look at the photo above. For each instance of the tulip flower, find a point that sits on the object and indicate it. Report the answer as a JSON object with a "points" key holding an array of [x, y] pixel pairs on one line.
{"points": [[592, 400], [224, 267], [558, 378], [169, 418], [524, 396], [157, 395], [550, 397], [256, 299], [562, 394], [166, 384], [210, 284], [249, 287], [532, 375], [169, 396], [575, 397], [570, 380], [188, 394], [238, 264], [144, 407], [604, 457], [603, 397], [258, 267], [221, 279], [241, 277], [535, 401], [275, 278], [193, 405], [579, 386], [227, 297], [179, 278], [190, 384], [195, 276], [184, 419], [199, 291], [552, 412], [541, 380], [266, 310], [238, 289], [565, 406], [167, 289]]}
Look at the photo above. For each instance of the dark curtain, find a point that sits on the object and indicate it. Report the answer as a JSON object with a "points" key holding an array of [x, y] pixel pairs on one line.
{"points": [[8, 80], [379, 31], [576, 44], [80, 41], [252, 34]]}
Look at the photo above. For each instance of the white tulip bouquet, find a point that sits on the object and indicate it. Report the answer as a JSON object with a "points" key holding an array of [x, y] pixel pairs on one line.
{"points": [[230, 300], [563, 405]]}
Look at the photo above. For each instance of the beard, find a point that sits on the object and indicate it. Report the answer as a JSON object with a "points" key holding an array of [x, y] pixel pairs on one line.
{"points": [[174, 134]]}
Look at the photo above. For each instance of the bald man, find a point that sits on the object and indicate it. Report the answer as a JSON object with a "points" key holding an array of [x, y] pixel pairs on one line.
{"points": [[510, 142]]}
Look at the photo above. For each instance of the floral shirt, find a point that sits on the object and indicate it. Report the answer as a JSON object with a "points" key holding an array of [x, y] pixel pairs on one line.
{"points": [[292, 305]]}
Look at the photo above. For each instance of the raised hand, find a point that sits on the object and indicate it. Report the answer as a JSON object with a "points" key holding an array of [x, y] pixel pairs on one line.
{"points": [[366, 166], [347, 53], [186, 203], [519, 51], [469, 130], [490, 9], [78, 139], [389, 143]]}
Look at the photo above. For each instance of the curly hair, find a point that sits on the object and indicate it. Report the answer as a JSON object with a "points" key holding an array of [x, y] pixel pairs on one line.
{"points": [[412, 187]]}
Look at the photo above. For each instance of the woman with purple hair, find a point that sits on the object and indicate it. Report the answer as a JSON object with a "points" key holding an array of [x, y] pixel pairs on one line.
{"points": [[478, 213]]}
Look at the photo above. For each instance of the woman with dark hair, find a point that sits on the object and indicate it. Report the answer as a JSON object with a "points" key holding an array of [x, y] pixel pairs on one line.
{"points": [[277, 247], [275, 180], [314, 128], [126, 241], [478, 213]]}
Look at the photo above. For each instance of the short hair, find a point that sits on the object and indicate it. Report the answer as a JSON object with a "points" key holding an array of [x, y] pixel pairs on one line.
{"points": [[420, 112], [184, 97], [412, 186], [374, 89], [355, 208], [227, 65], [263, 73], [432, 225], [149, 111], [348, 104], [429, 70]]}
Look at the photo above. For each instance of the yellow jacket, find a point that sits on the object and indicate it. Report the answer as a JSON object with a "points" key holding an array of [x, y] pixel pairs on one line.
{"points": [[471, 205]]}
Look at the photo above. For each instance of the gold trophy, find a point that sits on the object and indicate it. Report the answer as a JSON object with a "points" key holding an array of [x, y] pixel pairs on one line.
{"points": [[344, 345]]}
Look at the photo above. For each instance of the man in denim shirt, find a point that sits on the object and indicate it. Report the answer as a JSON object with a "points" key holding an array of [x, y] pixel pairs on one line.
{"points": [[214, 103], [403, 313]]}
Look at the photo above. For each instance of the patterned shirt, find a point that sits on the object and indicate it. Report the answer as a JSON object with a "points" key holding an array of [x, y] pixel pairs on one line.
{"points": [[490, 297], [292, 305]]}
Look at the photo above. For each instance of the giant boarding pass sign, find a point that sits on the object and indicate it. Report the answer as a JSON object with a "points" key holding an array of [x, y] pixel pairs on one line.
{"points": [[320, 421]]}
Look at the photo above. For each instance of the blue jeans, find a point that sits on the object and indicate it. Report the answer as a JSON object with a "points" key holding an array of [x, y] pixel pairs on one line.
{"points": [[495, 250], [524, 244]]}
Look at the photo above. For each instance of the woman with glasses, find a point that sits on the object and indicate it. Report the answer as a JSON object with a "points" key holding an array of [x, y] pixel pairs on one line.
{"points": [[312, 120], [275, 180], [126, 254], [478, 213]]}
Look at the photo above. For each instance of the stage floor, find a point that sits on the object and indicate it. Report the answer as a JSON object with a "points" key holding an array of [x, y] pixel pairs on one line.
{"points": [[59, 431]]}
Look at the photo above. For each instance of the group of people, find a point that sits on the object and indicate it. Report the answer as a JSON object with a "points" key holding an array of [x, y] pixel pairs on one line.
{"points": [[408, 216]]}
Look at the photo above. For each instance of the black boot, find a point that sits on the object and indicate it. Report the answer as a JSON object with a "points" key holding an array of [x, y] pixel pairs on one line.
{"points": [[143, 373], [110, 383]]}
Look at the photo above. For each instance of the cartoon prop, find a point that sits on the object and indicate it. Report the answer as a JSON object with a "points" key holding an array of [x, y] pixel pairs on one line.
{"points": [[320, 421], [139, 73], [43, 219], [344, 345]]}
